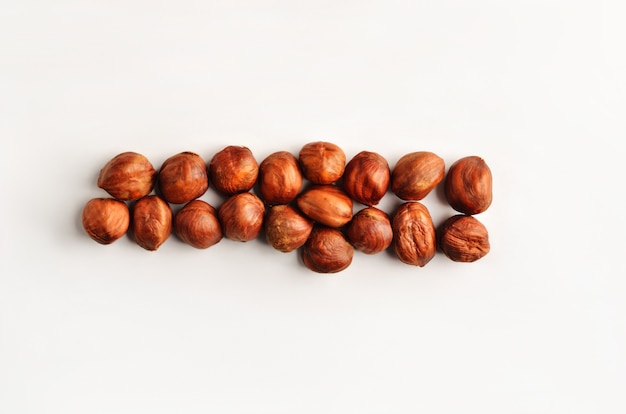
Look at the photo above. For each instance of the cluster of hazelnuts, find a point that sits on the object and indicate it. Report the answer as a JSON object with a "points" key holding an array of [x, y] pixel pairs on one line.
{"points": [[317, 219]]}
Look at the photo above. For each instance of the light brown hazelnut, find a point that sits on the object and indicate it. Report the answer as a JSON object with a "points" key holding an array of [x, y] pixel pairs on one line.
{"points": [[183, 177], [322, 162], [366, 178], [197, 224], [327, 251], [280, 178], [105, 219], [151, 222], [370, 231], [468, 185], [233, 170], [463, 238], [241, 216], [326, 204], [416, 174], [414, 236], [128, 176], [286, 229]]}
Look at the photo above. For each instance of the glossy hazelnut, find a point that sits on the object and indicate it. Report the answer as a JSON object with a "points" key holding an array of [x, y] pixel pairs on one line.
{"points": [[327, 251], [463, 238], [366, 178], [468, 185], [241, 216], [197, 224], [233, 170], [183, 177], [286, 229], [326, 204], [322, 162], [151, 222], [128, 176], [280, 178], [415, 239], [370, 231], [416, 174], [105, 219]]}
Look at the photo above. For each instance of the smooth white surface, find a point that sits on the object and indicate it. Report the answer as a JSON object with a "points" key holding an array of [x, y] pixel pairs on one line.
{"points": [[535, 87]]}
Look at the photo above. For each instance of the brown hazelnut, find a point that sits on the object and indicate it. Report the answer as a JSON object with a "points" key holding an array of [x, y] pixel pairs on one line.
{"points": [[326, 204], [286, 229], [183, 177], [151, 222], [128, 176], [280, 178], [468, 185], [105, 219], [366, 178], [241, 216], [414, 236], [463, 238], [327, 251], [416, 174], [233, 170], [197, 224], [370, 230], [322, 162]]}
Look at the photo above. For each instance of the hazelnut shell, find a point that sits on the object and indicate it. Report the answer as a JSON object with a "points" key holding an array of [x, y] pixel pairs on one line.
{"points": [[414, 240], [127, 176], [366, 178], [286, 229], [322, 162], [468, 185], [416, 174], [105, 219], [370, 231], [241, 216], [280, 178], [327, 251], [151, 222], [233, 170], [463, 238], [183, 177], [326, 204], [197, 224]]}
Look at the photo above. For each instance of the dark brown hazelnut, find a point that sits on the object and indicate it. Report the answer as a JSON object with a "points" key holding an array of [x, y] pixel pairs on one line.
{"points": [[414, 235], [233, 170], [151, 222], [327, 251], [322, 162], [241, 216], [183, 177], [128, 176], [463, 238], [286, 229], [370, 230], [280, 178], [105, 219], [468, 185], [326, 204], [416, 174], [197, 224], [366, 178]]}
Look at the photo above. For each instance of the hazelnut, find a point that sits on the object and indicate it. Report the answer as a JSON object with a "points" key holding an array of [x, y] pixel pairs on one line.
{"points": [[105, 219], [241, 216], [128, 176], [151, 222], [280, 178], [326, 204], [233, 170], [370, 230], [286, 229], [197, 224], [468, 185], [414, 240], [416, 174], [322, 162], [366, 178], [183, 177], [463, 238], [327, 251]]}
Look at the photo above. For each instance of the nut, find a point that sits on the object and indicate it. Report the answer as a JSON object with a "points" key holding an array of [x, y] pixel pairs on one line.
{"points": [[414, 239], [326, 204], [322, 162], [241, 216], [366, 178], [416, 174], [327, 251], [183, 177], [151, 222], [468, 185], [197, 224], [463, 238], [286, 229], [233, 170], [105, 219], [128, 176], [280, 178], [370, 230]]}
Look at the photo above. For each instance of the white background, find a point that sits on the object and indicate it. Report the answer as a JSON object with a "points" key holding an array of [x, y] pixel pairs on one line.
{"points": [[537, 88]]}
